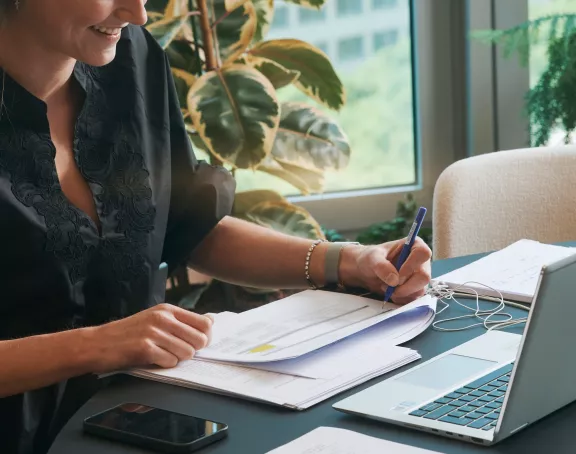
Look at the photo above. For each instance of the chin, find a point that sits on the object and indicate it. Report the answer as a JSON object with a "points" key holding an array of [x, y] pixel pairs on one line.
{"points": [[99, 59]]}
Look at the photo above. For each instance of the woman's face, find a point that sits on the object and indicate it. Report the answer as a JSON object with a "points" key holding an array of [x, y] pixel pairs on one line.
{"points": [[86, 30]]}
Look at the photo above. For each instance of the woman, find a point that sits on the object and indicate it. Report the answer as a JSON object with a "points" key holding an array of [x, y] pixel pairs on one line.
{"points": [[98, 187]]}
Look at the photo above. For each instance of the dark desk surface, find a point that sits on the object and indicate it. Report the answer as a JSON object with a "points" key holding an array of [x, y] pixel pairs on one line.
{"points": [[256, 428]]}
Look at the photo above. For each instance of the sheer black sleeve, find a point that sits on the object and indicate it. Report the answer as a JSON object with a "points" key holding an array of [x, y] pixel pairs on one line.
{"points": [[201, 194]]}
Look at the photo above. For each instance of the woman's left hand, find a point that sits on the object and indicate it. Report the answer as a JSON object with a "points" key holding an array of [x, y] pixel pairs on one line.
{"points": [[372, 268]]}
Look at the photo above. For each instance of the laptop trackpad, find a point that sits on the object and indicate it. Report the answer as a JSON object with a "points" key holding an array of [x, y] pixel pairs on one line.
{"points": [[446, 372]]}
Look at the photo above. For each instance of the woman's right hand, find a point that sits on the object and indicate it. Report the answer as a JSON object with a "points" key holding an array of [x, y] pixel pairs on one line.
{"points": [[162, 335]]}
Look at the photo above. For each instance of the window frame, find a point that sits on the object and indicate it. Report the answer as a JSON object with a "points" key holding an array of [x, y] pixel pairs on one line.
{"points": [[497, 85], [439, 56]]}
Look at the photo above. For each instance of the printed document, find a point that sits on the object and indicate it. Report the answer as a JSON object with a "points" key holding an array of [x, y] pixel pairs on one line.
{"points": [[300, 324], [329, 440]]}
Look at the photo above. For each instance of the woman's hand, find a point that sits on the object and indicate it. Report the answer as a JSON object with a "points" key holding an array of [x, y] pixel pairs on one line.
{"points": [[372, 268], [162, 335]]}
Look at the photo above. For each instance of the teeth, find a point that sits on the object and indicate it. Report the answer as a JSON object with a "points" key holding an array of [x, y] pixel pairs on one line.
{"points": [[107, 31]]}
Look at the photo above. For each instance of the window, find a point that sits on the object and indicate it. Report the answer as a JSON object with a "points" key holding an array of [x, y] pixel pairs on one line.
{"points": [[281, 17], [323, 46], [350, 48], [538, 50], [399, 142], [306, 15], [384, 4], [385, 39], [348, 7]]}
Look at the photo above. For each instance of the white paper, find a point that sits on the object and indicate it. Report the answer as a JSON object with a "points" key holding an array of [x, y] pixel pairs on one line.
{"points": [[513, 270], [278, 388], [297, 325], [360, 351], [329, 440]]}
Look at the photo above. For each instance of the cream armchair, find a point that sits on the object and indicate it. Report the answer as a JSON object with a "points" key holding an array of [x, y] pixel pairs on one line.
{"points": [[486, 202]]}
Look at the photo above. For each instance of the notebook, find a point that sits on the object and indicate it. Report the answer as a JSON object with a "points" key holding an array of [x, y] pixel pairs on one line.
{"points": [[513, 270]]}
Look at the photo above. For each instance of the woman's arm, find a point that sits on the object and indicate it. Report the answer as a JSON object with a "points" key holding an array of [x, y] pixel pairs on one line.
{"points": [[161, 335], [243, 253], [37, 361]]}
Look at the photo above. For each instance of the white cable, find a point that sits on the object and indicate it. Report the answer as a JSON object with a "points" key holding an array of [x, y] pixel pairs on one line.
{"points": [[485, 316]]}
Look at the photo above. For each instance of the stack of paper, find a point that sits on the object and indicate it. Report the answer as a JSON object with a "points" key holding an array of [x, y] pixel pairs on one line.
{"points": [[329, 440], [303, 349], [513, 270]]}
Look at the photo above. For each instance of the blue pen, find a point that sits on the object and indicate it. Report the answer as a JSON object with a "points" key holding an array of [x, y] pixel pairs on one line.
{"points": [[407, 247]]}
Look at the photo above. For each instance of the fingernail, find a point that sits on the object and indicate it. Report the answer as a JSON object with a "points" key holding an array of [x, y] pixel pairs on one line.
{"points": [[392, 280]]}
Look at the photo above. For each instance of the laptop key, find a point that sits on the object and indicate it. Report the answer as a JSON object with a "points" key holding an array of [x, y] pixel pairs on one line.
{"points": [[492, 416], [475, 415], [497, 393], [443, 400], [484, 410], [487, 388], [453, 396], [430, 407], [467, 408], [458, 421], [477, 393], [500, 400], [457, 414], [418, 413], [486, 398], [464, 390], [440, 412], [479, 423], [467, 398], [476, 403], [493, 405], [459, 402]]}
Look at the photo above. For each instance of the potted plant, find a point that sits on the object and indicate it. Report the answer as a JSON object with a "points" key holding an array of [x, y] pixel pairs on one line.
{"points": [[227, 75], [551, 102]]}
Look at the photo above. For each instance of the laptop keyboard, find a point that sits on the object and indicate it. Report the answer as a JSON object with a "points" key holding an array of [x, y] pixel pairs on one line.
{"points": [[476, 405]]}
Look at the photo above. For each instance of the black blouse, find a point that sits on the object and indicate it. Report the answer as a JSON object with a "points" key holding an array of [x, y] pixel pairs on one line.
{"points": [[154, 200]]}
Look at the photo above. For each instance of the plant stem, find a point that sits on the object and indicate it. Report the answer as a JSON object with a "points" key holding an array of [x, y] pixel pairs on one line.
{"points": [[207, 35]]}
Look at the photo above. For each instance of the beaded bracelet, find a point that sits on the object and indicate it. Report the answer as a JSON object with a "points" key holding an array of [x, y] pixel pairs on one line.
{"points": [[307, 265]]}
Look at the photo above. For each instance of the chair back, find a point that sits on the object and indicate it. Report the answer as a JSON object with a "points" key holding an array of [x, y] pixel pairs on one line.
{"points": [[487, 202]]}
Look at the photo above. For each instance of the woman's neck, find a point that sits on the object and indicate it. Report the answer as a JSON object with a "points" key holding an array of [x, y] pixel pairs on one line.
{"points": [[42, 72]]}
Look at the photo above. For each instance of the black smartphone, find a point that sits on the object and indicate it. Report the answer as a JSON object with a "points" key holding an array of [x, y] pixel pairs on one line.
{"points": [[155, 428]]}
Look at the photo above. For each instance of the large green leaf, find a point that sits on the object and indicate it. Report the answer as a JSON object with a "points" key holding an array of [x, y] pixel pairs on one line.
{"points": [[306, 180], [315, 4], [183, 82], [308, 138], [284, 217], [317, 76], [265, 15], [156, 6], [165, 30], [274, 72], [176, 8], [182, 56], [234, 29], [246, 200], [236, 113]]}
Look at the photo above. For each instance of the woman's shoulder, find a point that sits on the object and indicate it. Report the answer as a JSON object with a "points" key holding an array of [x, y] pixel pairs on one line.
{"points": [[138, 46]]}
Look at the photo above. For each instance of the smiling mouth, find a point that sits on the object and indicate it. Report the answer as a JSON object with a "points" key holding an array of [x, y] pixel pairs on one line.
{"points": [[107, 30]]}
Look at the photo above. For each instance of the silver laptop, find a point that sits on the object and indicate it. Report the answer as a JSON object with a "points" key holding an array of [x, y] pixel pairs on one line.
{"points": [[495, 385]]}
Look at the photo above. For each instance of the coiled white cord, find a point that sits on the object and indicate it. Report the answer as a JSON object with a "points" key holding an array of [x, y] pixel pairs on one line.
{"points": [[485, 316]]}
